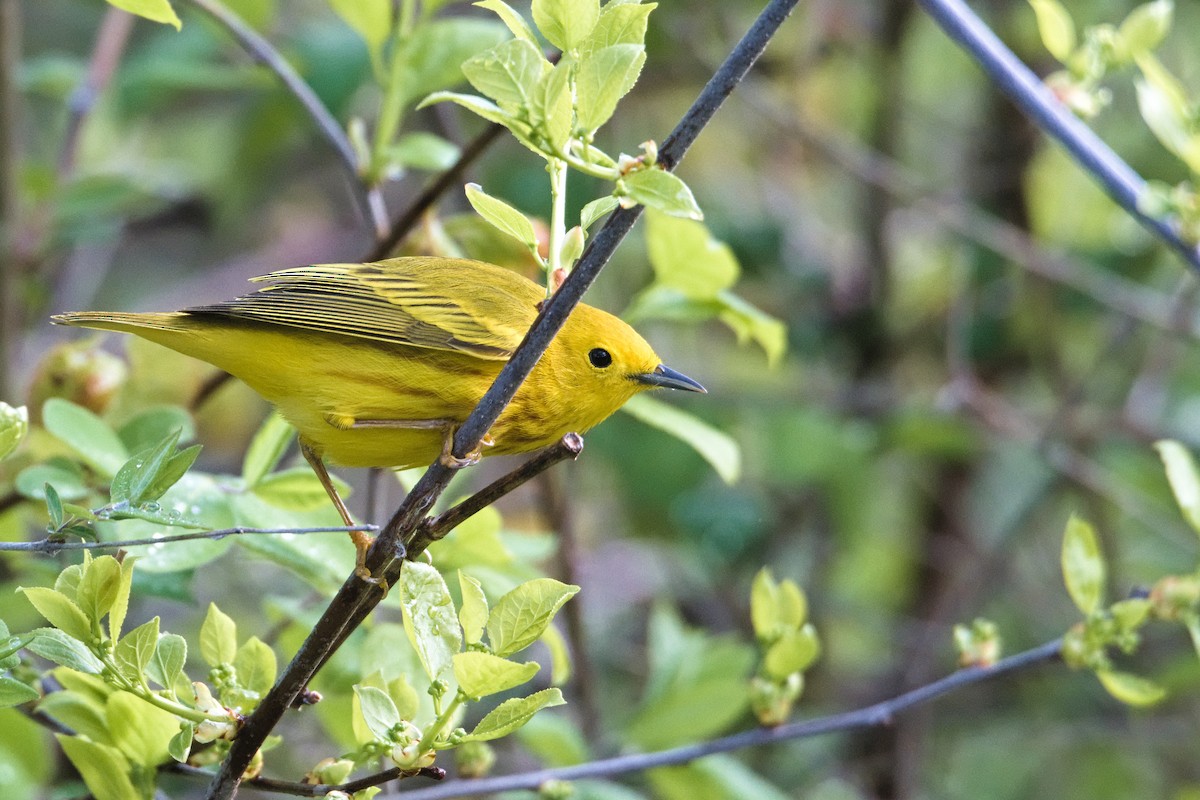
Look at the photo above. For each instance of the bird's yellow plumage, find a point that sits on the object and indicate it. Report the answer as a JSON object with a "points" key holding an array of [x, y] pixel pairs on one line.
{"points": [[374, 364]]}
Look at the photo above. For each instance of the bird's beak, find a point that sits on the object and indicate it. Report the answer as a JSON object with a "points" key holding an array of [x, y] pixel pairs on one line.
{"points": [[667, 378]]}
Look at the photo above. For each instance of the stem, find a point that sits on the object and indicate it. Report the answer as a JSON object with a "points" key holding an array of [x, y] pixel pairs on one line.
{"points": [[558, 221], [429, 737], [588, 168]]}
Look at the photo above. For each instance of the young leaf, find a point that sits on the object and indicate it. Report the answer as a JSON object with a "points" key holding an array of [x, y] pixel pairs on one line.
{"points": [[600, 207], [120, 606], [86, 434], [685, 256], [266, 448], [297, 489], [15, 693], [521, 615], [511, 18], [1132, 690], [1056, 28], [54, 507], [180, 745], [54, 645], [1146, 26], [429, 618], [507, 73], [147, 428], [1083, 565], [60, 611], [370, 19], [141, 731], [603, 79], [481, 674], [135, 652], [66, 478], [502, 215], [552, 110], [565, 23], [618, 24], [473, 612], [718, 448], [256, 666], [661, 190], [218, 637], [166, 666], [1183, 477], [560, 656], [98, 588], [378, 710], [478, 105], [104, 769], [155, 11], [14, 424], [423, 150], [793, 652], [764, 606], [172, 470], [512, 714]]}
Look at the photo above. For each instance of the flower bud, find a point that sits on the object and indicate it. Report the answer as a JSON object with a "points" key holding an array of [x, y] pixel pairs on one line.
{"points": [[474, 759]]}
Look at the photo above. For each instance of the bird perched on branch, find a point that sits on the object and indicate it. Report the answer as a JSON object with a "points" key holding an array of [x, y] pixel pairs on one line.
{"points": [[377, 364]]}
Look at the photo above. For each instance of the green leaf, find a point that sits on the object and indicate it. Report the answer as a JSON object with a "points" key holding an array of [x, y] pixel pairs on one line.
{"points": [[716, 447], [65, 477], [148, 428], [565, 23], [166, 665], [481, 674], [256, 666], [658, 189], [750, 323], [218, 637], [795, 651], [60, 611], [141, 731], [54, 507], [600, 207], [618, 24], [511, 18], [520, 616], [1056, 28], [1083, 565], [603, 79], [120, 605], [508, 73], [15, 693], [54, 645], [560, 655], [478, 105], [552, 109], [764, 606], [370, 19], [477, 542], [429, 618], [98, 587], [136, 650], [104, 769], [266, 448], [86, 434], [473, 612], [503, 216], [1146, 26], [180, 745], [423, 150], [512, 714], [298, 489], [155, 11], [14, 424], [1170, 125], [378, 710], [1183, 477], [685, 256], [1132, 690]]}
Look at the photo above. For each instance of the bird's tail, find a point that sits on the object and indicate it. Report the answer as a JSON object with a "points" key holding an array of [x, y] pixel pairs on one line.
{"points": [[121, 321]]}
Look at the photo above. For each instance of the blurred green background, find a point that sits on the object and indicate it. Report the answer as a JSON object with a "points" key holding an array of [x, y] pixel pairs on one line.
{"points": [[979, 344]]}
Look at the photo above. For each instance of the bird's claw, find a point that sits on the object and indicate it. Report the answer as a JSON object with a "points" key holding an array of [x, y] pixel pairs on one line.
{"points": [[448, 459]]}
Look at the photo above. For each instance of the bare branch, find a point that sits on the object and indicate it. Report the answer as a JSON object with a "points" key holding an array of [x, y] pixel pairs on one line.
{"points": [[50, 546], [111, 40]]}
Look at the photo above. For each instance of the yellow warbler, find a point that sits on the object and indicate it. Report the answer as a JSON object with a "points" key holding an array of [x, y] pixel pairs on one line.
{"points": [[377, 364]]}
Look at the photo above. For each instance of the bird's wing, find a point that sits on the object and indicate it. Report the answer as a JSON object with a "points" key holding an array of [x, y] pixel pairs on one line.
{"points": [[440, 304]]}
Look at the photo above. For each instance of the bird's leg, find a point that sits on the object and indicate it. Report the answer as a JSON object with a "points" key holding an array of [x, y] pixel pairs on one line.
{"points": [[447, 426], [362, 542]]}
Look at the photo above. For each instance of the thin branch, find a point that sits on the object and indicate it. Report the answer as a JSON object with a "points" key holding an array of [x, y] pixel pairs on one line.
{"points": [[111, 40], [10, 118], [872, 716], [430, 195], [299, 789], [388, 548], [265, 53], [1117, 178], [50, 546]]}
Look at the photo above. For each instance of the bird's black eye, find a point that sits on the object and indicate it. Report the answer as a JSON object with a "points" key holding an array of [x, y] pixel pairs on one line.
{"points": [[600, 357]]}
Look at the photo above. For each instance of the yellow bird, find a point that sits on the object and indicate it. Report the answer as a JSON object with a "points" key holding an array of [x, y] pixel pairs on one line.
{"points": [[377, 364]]}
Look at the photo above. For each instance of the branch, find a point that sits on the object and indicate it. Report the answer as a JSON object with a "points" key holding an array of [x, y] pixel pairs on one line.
{"points": [[356, 596], [412, 215], [106, 55], [872, 716], [264, 53], [1117, 178], [50, 546]]}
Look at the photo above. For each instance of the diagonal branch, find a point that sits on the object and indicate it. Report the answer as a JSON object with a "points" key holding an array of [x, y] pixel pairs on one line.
{"points": [[265, 53], [1117, 178], [388, 549], [882, 713]]}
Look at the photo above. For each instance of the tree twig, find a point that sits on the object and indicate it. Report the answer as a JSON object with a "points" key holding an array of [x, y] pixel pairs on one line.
{"points": [[50, 546], [111, 40], [872, 716], [1007, 71], [388, 548], [265, 53]]}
